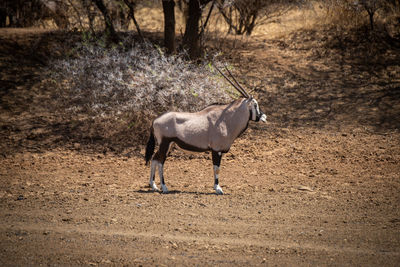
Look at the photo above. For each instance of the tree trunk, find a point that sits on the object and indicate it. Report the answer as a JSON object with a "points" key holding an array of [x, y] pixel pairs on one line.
{"points": [[371, 19], [3, 17], [191, 40], [169, 25], [110, 30]]}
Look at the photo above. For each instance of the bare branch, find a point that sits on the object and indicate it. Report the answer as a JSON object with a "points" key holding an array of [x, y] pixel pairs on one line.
{"points": [[131, 7]]}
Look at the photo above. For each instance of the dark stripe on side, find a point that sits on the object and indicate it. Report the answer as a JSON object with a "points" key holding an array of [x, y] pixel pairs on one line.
{"points": [[186, 146]]}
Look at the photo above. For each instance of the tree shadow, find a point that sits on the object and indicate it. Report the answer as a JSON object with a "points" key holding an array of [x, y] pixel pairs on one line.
{"points": [[312, 80], [32, 118]]}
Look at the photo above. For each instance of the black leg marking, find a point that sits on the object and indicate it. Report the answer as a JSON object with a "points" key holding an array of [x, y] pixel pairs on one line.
{"points": [[162, 175], [216, 158]]}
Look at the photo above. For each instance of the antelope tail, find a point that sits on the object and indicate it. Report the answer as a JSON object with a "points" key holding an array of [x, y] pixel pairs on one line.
{"points": [[150, 146]]}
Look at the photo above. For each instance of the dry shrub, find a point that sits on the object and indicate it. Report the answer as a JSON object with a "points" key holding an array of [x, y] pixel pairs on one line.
{"points": [[116, 93], [343, 14], [371, 15], [243, 16], [347, 26]]}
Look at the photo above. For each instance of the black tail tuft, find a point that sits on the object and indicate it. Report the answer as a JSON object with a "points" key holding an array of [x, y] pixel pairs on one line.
{"points": [[150, 147]]}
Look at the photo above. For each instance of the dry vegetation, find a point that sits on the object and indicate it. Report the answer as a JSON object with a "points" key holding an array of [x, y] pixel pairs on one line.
{"points": [[130, 84]]}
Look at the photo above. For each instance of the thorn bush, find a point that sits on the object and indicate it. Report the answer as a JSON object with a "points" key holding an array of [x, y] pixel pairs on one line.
{"points": [[120, 90]]}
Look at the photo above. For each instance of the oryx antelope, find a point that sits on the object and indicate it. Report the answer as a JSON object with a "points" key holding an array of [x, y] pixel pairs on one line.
{"points": [[211, 129]]}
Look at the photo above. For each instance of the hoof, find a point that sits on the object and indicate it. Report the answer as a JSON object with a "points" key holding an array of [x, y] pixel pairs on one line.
{"points": [[218, 190], [154, 187], [164, 189]]}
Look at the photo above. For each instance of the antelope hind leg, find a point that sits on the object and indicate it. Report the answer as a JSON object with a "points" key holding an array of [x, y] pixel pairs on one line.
{"points": [[158, 160], [161, 174], [152, 175]]}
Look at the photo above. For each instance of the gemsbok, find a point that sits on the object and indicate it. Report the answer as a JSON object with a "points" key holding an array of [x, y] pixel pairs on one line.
{"points": [[213, 129]]}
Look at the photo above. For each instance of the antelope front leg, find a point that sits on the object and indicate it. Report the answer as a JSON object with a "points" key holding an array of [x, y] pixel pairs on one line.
{"points": [[216, 157]]}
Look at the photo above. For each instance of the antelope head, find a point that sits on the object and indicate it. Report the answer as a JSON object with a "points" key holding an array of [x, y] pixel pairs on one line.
{"points": [[255, 113]]}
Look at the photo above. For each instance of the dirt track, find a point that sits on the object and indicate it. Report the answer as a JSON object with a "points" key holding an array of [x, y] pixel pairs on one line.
{"points": [[325, 193]]}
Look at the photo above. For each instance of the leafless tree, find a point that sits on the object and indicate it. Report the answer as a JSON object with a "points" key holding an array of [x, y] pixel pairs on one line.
{"points": [[243, 16], [371, 6]]}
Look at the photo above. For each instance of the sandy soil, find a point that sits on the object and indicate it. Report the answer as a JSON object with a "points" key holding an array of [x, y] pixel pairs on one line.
{"points": [[318, 185]]}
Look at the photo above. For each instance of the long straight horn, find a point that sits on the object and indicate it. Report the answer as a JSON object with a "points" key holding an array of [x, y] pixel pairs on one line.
{"points": [[238, 84], [234, 85]]}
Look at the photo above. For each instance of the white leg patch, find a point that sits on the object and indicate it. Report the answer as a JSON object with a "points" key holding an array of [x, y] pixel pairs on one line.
{"points": [[218, 189], [152, 174], [216, 171], [154, 186]]}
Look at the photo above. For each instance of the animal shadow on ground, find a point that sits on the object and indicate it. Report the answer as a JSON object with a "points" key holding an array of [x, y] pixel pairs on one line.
{"points": [[177, 192]]}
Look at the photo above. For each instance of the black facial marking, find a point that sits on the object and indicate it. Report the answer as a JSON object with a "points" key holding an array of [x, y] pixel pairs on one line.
{"points": [[258, 116]]}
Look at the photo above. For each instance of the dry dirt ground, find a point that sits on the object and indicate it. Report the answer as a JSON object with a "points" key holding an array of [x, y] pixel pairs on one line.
{"points": [[318, 185]]}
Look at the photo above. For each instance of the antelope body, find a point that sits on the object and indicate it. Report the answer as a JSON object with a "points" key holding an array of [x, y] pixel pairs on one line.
{"points": [[213, 129]]}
